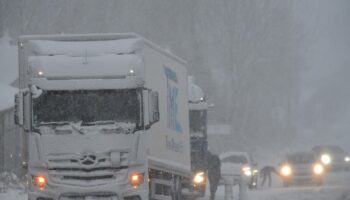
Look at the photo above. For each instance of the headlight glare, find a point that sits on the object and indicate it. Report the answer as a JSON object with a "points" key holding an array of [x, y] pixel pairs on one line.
{"points": [[286, 170], [40, 180], [318, 169], [347, 159], [246, 171], [326, 159], [199, 178]]}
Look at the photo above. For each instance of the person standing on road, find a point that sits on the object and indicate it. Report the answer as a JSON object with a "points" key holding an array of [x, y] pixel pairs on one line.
{"points": [[214, 173], [265, 173]]}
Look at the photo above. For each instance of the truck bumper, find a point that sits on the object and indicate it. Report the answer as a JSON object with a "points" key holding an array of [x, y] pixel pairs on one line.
{"points": [[105, 192]]}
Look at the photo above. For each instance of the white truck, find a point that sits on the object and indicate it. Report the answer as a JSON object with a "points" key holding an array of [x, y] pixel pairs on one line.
{"points": [[106, 116], [199, 144]]}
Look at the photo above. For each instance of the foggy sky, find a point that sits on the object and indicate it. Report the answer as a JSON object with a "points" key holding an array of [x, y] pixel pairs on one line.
{"points": [[325, 93], [273, 69]]}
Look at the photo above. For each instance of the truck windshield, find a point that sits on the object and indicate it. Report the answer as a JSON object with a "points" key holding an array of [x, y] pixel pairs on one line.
{"points": [[87, 106], [198, 126]]}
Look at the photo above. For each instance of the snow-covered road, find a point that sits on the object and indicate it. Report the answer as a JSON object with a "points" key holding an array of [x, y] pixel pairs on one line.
{"points": [[337, 187]]}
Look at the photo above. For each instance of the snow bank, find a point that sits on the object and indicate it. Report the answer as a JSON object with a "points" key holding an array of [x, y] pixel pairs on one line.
{"points": [[9, 61]]}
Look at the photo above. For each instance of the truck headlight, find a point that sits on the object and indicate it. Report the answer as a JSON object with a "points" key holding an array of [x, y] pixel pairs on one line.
{"points": [[286, 170], [318, 169], [199, 178], [326, 159], [246, 171]]}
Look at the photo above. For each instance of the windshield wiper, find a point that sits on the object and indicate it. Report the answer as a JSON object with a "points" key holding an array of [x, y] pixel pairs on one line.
{"points": [[52, 123], [79, 130], [97, 123]]}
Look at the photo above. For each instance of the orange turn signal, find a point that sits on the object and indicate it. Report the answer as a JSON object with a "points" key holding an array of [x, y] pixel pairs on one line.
{"points": [[136, 179], [40, 180]]}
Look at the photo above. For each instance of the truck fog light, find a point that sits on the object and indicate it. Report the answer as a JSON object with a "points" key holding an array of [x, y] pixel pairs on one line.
{"points": [[136, 179], [199, 178], [40, 181]]}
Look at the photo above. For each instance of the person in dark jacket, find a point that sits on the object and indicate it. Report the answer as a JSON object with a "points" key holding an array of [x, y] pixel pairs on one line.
{"points": [[265, 173], [214, 173]]}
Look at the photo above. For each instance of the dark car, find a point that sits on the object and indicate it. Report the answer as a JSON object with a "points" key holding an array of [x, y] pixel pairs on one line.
{"points": [[333, 157], [301, 168]]}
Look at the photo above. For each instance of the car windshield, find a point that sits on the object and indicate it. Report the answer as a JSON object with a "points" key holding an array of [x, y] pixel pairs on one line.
{"points": [[235, 159], [86, 106], [198, 120], [301, 158], [329, 149]]}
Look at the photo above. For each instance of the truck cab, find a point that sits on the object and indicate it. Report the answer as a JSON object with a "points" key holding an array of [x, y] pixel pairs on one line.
{"points": [[99, 125], [198, 134]]}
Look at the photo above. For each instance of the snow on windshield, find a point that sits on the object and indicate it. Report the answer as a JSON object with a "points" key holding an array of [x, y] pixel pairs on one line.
{"points": [[87, 106]]}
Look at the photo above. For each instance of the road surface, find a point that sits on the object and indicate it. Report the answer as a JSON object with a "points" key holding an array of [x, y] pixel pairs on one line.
{"points": [[336, 187]]}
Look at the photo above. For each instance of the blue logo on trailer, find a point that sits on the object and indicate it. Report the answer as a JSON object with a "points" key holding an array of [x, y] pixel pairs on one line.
{"points": [[173, 91]]}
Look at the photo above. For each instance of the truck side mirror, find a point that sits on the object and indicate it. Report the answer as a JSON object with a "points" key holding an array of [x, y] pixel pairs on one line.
{"points": [[19, 120], [153, 107]]}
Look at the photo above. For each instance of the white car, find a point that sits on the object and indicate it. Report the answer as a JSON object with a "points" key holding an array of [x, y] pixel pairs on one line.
{"points": [[301, 168], [236, 166]]}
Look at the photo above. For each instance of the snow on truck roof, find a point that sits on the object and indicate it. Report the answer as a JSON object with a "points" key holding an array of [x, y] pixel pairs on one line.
{"points": [[100, 37], [85, 48], [63, 66], [85, 59], [196, 97], [195, 93]]}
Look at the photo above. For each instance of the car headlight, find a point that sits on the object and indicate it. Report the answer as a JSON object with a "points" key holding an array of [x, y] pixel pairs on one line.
{"points": [[199, 178], [318, 169], [246, 171], [347, 159], [326, 159], [286, 170]]}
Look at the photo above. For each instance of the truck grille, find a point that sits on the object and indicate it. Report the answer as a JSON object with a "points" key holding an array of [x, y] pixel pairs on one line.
{"points": [[86, 170]]}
